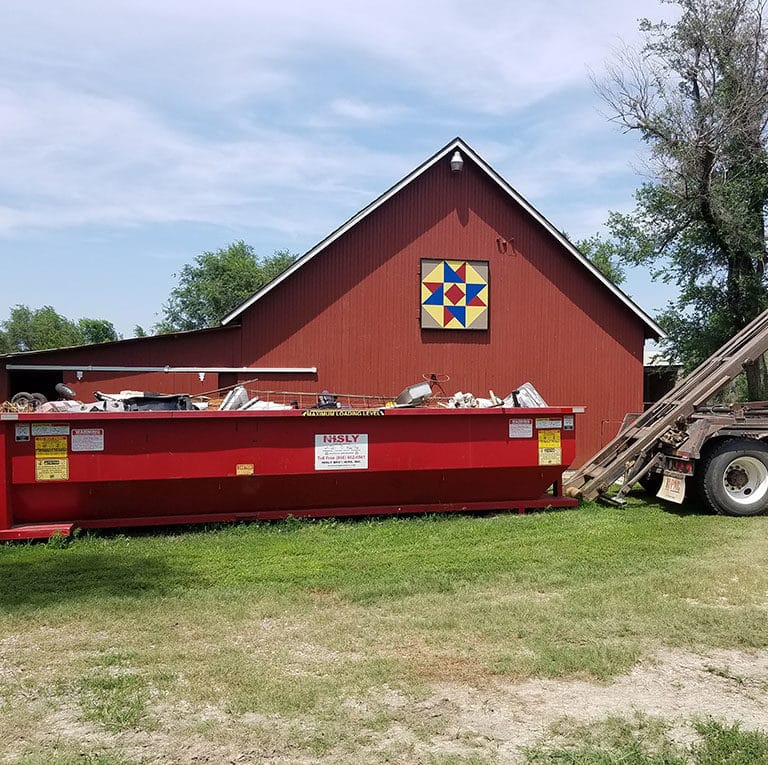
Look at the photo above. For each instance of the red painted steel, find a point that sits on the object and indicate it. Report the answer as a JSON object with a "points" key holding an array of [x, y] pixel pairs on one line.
{"points": [[184, 467]]}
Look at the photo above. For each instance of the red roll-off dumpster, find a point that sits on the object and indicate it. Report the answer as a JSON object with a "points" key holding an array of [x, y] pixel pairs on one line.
{"points": [[142, 468]]}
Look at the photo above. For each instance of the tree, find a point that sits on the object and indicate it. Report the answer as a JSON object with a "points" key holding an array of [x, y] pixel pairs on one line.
{"points": [[37, 329], [215, 283], [604, 256], [97, 331], [34, 330], [697, 94]]}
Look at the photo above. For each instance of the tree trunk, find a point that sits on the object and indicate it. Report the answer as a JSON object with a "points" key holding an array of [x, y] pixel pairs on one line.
{"points": [[757, 380]]}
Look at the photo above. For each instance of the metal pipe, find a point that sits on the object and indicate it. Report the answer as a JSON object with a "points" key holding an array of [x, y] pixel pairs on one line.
{"points": [[89, 368]]}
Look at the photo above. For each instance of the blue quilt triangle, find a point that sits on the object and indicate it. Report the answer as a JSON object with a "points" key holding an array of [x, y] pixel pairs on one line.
{"points": [[436, 298], [459, 312], [473, 290], [449, 275]]}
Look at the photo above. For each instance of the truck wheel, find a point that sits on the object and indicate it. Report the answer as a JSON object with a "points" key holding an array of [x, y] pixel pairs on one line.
{"points": [[38, 399], [733, 477], [22, 399], [65, 391], [651, 483]]}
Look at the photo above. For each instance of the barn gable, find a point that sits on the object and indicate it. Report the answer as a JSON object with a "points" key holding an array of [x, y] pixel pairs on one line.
{"points": [[465, 151], [352, 305]]}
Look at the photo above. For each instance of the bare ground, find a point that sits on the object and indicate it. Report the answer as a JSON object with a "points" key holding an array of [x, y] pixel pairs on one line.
{"points": [[492, 721]]}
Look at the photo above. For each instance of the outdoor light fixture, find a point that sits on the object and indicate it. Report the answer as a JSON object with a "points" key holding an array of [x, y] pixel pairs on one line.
{"points": [[457, 163]]}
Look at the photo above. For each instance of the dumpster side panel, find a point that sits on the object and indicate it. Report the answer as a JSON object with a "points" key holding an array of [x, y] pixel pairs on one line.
{"points": [[92, 470], [6, 518]]}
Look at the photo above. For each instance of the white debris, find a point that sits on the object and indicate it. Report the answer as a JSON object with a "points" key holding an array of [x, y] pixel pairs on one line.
{"points": [[256, 404], [461, 400], [237, 398], [79, 406], [527, 396], [524, 396]]}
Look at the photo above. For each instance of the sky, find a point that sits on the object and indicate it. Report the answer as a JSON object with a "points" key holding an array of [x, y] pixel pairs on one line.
{"points": [[136, 135]]}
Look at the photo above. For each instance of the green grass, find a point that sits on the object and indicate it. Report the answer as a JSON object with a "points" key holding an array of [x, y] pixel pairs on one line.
{"points": [[73, 758], [647, 742], [320, 625], [118, 702]]}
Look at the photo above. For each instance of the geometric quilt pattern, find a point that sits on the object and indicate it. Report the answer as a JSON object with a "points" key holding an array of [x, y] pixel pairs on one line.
{"points": [[454, 294]]}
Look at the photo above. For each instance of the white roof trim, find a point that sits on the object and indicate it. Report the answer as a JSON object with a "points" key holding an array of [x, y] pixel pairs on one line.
{"points": [[459, 144]]}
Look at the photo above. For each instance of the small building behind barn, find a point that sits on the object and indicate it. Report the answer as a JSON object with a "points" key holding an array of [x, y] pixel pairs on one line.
{"points": [[449, 275]]}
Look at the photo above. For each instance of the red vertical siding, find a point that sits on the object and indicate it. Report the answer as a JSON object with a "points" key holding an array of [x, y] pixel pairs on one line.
{"points": [[353, 311]]}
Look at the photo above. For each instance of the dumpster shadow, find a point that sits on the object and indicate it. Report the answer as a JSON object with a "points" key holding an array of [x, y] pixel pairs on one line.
{"points": [[72, 577]]}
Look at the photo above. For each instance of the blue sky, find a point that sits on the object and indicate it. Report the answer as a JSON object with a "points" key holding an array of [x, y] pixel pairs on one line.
{"points": [[135, 135]]}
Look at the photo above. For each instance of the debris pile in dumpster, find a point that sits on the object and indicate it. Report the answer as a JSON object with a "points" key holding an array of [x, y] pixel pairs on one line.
{"points": [[238, 398], [140, 459]]}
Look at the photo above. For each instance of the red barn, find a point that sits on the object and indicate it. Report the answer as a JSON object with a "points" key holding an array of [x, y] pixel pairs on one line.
{"points": [[449, 273]]}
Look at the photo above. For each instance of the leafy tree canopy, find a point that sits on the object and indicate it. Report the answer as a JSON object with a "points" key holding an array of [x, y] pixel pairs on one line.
{"points": [[28, 329], [97, 330], [215, 283], [697, 95], [604, 256]]}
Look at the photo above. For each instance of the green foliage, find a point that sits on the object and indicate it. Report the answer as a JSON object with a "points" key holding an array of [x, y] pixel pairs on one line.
{"points": [[645, 741], [139, 331], [604, 255], [215, 283], [97, 330], [37, 329], [697, 94]]}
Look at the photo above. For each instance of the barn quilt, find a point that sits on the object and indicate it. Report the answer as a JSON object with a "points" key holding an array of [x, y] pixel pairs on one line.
{"points": [[454, 294]]}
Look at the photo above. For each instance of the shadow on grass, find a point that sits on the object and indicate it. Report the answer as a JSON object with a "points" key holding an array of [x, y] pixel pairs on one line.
{"points": [[692, 506], [72, 576]]}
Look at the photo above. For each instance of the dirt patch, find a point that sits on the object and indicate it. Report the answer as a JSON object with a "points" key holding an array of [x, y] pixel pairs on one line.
{"points": [[675, 686], [493, 721]]}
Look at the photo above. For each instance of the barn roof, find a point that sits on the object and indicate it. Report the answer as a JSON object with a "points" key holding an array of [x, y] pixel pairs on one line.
{"points": [[460, 145], [113, 343]]}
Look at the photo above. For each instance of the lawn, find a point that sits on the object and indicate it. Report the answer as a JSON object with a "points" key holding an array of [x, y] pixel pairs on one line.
{"points": [[360, 641]]}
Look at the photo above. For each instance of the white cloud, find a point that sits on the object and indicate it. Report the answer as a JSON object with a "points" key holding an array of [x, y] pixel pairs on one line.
{"points": [[74, 159], [141, 112]]}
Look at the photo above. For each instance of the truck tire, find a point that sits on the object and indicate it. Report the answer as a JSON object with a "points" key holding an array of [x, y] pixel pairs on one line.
{"points": [[22, 399], [38, 399], [733, 477], [651, 483], [65, 391]]}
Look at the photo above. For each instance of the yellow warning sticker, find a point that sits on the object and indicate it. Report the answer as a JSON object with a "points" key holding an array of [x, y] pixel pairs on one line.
{"points": [[245, 469], [50, 446], [550, 452], [550, 456], [549, 438], [52, 469]]}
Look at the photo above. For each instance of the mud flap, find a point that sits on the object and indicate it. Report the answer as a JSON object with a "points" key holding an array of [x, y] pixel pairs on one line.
{"points": [[672, 487]]}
